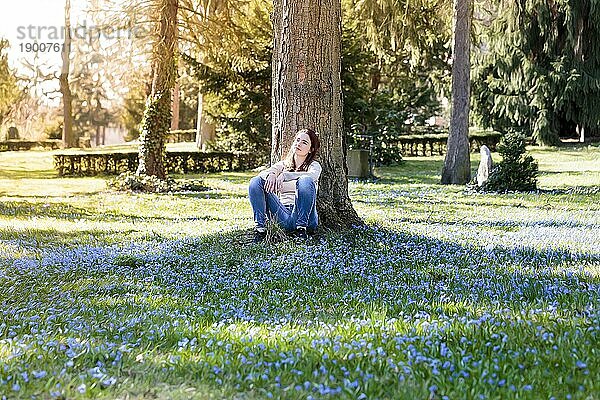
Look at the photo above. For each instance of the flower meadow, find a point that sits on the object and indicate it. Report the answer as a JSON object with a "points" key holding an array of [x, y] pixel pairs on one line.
{"points": [[441, 295]]}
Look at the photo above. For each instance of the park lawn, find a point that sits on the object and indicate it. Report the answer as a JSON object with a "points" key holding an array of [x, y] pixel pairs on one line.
{"points": [[445, 293]]}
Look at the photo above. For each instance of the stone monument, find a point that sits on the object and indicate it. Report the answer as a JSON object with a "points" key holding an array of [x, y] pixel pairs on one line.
{"points": [[485, 166]]}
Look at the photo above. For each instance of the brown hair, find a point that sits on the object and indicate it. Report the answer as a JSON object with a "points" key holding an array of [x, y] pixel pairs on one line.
{"points": [[315, 144]]}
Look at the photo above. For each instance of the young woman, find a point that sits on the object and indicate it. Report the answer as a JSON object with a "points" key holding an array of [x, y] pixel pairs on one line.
{"points": [[288, 190]]}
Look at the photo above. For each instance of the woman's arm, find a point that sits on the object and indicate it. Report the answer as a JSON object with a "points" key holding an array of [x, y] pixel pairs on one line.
{"points": [[276, 169], [314, 171]]}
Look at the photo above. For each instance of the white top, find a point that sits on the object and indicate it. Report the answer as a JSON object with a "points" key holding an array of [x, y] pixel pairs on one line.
{"points": [[287, 195]]}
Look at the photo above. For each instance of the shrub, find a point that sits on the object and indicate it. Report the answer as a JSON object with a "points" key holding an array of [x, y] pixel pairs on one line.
{"points": [[148, 183], [517, 171], [54, 129]]}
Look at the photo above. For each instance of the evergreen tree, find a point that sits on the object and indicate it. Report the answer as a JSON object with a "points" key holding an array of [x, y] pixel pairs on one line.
{"points": [[517, 171], [229, 54], [388, 76], [540, 73]]}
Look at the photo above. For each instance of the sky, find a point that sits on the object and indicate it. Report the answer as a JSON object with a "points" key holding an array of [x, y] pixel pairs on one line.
{"points": [[42, 16], [35, 31]]}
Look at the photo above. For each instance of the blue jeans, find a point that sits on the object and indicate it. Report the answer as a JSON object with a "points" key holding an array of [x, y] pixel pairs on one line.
{"points": [[302, 214]]}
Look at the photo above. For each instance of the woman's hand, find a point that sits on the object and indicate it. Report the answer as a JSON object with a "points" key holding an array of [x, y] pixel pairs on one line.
{"points": [[271, 183], [279, 182]]}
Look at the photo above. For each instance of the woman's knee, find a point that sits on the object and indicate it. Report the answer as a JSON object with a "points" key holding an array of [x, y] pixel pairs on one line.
{"points": [[305, 183], [256, 183]]}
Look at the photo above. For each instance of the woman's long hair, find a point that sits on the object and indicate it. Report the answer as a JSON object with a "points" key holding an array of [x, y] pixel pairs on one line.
{"points": [[315, 144]]}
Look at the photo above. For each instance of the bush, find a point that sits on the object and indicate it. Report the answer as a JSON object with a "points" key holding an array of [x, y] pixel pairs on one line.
{"points": [[517, 171], [54, 129], [128, 181]]}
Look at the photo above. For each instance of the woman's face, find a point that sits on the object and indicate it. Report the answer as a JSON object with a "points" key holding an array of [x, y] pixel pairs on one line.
{"points": [[302, 144]]}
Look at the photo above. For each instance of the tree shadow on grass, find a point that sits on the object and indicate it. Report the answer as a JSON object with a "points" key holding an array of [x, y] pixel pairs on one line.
{"points": [[24, 174], [211, 195], [242, 177], [68, 212], [419, 214], [355, 258], [48, 196], [52, 210], [416, 170]]}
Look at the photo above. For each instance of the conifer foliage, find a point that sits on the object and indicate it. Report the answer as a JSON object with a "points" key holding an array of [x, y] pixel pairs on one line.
{"points": [[517, 171], [540, 73]]}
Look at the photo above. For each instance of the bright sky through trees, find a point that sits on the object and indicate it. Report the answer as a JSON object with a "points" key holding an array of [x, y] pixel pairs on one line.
{"points": [[35, 31], [18, 16]]}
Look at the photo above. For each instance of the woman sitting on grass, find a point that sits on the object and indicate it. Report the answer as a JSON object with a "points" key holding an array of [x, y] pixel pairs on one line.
{"points": [[288, 190]]}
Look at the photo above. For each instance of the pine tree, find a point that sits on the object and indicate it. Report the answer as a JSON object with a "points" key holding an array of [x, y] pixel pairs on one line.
{"points": [[517, 171], [540, 73]]}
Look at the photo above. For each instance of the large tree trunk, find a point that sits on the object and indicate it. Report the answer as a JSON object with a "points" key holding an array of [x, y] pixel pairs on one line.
{"points": [[457, 165], [68, 136], [307, 93], [157, 115]]}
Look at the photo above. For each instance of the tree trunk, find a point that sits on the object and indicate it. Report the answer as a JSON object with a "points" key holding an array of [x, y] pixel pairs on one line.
{"points": [[205, 132], [68, 136], [175, 108], [375, 78], [307, 93], [157, 115], [457, 165], [199, 117], [579, 54]]}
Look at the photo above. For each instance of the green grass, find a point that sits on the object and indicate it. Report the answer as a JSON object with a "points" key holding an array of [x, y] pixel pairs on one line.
{"points": [[445, 293]]}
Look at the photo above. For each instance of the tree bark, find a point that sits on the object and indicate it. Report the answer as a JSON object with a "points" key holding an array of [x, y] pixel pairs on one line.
{"points": [[307, 93], [68, 136], [457, 165], [157, 115]]}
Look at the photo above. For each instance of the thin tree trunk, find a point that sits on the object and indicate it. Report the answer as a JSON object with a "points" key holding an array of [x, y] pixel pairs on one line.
{"points": [[375, 78], [457, 165], [205, 132], [199, 117], [307, 93], [157, 115], [175, 108], [68, 137], [579, 52]]}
